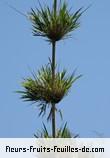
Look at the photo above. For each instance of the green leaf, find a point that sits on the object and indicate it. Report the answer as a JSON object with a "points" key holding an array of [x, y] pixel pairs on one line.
{"points": [[52, 26]]}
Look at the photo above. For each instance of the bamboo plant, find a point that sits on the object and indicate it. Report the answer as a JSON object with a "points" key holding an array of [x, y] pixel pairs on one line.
{"points": [[49, 86]]}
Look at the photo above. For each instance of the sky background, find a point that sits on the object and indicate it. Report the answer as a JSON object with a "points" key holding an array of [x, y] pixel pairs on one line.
{"points": [[87, 107]]}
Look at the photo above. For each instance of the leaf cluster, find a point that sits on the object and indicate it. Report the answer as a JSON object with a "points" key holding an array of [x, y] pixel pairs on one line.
{"points": [[39, 88], [63, 132], [54, 26]]}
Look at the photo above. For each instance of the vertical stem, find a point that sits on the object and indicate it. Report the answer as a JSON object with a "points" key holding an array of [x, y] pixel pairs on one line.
{"points": [[53, 121], [53, 60], [53, 76], [53, 80], [55, 6]]}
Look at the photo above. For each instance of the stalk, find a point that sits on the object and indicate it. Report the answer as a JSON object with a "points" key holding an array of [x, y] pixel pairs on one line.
{"points": [[53, 80], [53, 121], [55, 6], [53, 77]]}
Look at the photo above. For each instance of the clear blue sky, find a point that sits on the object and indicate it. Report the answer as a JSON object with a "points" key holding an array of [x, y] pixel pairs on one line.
{"points": [[87, 107]]}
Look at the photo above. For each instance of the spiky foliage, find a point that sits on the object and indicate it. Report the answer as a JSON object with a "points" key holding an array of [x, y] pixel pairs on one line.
{"points": [[63, 132], [40, 89], [42, 134], [54, 26]]}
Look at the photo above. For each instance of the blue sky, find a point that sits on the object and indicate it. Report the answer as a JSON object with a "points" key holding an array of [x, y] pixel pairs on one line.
{"points": [[87, 107]]}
